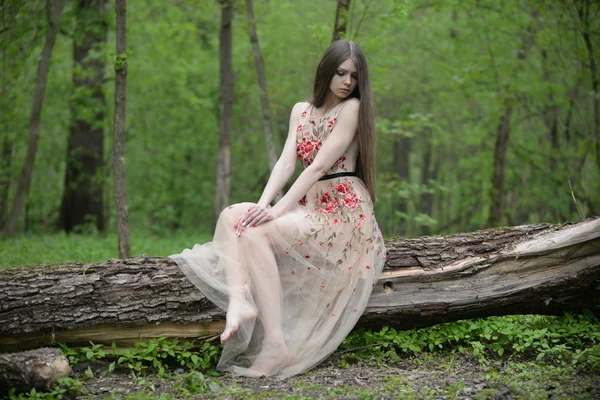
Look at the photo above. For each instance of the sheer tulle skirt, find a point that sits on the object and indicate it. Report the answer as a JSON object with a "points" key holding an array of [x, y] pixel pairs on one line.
{"points": [[298, 284]]}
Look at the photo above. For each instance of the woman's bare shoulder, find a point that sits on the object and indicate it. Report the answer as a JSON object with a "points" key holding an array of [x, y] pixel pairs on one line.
{"points": [[298, 108], [353, 104], [301, 105]]}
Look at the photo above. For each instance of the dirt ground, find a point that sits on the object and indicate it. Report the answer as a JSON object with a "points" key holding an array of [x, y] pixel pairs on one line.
{"points": [[429, 377]]}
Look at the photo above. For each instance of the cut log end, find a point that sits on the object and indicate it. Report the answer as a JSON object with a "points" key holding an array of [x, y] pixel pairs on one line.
{"points": [[37, 369]]}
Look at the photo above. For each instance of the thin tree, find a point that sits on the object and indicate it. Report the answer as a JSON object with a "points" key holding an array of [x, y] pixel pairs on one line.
{"points": [[82, 199], [504, 127], [262, 83], [401, 149], [119, 130], [341, 19], [583, 10], [34, 120], [6, 152], [225, 109]]}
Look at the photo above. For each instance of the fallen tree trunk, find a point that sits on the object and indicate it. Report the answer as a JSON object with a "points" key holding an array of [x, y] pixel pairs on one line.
{"points": [[542, 269], [37, 369]]}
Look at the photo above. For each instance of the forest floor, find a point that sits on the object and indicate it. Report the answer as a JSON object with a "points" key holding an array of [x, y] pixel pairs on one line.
{"points": [[426, 376]]}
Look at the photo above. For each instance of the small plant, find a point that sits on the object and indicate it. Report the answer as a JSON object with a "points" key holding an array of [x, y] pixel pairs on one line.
{"points": [[156, 354], [204, 359], [65, 388], [75, 356], [198, 383]]}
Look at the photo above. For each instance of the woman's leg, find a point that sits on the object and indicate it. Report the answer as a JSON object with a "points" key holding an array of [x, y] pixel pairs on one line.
{"points": [[236, 273], [267, 292]]}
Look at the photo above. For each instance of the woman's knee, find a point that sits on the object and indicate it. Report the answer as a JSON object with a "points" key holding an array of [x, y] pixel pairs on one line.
{"points": [[233, 212]]}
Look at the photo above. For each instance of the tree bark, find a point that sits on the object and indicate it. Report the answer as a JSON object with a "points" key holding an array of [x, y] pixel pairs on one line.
{"points": [[6, 154], [402, 150], [500, 150], [550, 114], [119, 131], [83, 199], [584, 15], [37, 369], [225, 110], [542, 269], [341, 19], [503, 132], [428, 173], [5, 161], [262, 83], [34, 120]]}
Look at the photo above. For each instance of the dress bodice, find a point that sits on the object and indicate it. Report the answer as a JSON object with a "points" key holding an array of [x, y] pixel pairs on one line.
{"points": [[311, 133]]}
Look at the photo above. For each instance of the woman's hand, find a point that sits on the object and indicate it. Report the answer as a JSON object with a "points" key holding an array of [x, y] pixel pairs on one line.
{"points": [[255, 216]]}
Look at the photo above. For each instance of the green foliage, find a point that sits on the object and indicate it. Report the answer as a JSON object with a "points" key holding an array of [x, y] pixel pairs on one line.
{"points": [[568, 366], [198, 383], [530, 381], [442, 74], [569, 340], [121, 61], [158, 354], [65, 388], [75, 356]]}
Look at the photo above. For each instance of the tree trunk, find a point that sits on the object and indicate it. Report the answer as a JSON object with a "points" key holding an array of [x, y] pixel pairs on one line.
{"points": [[550, 115], [6, 153], [119, 131], [503, 132], [37, 369], [542, 269], [341, 19], [82, 200], [584, 15], [262, 83], [402, 150], [500, 149], [5, 160], [34, 120], [428, 173], [225, 110]]}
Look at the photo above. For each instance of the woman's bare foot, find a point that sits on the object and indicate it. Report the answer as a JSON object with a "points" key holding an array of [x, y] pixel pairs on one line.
{"points": [[237, 313], [272, 357]]}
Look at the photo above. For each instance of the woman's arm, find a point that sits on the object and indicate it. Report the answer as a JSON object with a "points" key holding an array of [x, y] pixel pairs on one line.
{"points": [[281, 173], [284, 167], [333, 148]]}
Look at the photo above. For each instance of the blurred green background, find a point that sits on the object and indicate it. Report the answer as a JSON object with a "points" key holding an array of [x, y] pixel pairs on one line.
{"points": [[447, 76]]}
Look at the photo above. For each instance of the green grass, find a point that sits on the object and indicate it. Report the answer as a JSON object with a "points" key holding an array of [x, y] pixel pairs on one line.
{"points": [[60, 247]]}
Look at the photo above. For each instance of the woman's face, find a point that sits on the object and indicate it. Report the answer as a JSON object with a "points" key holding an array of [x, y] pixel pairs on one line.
{"points": [[344, 80]]}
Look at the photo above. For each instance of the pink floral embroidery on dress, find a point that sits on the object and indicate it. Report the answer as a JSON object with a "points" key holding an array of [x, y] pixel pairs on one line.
{"points": [[335, 205]]}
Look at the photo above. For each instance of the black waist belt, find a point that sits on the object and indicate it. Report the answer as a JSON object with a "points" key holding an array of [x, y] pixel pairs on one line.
{"points": [[337, 175]]}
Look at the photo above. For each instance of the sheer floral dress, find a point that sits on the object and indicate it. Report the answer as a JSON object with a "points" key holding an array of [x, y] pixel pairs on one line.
{"points": [[307, 274]]}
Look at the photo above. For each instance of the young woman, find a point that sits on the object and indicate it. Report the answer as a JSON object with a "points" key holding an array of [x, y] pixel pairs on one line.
{"points": [[295, 277]]}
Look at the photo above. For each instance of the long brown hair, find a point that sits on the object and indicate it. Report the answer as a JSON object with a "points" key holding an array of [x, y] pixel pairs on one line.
{"points": [[338, 52]]}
